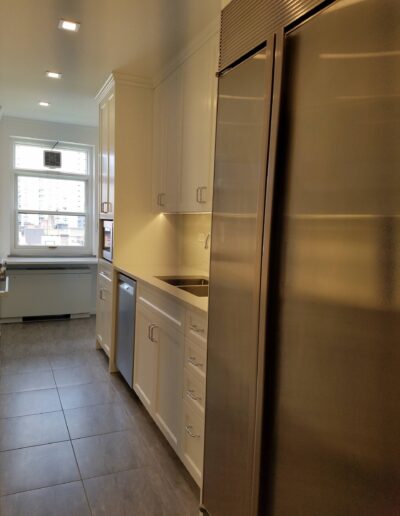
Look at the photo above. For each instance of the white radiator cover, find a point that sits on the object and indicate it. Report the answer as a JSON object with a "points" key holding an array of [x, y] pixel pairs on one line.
{"points": [[48, 291]]}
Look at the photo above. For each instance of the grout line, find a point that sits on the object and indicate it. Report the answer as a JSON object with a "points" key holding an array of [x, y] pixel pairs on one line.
{"points": [[73, 450], [39, 488]]}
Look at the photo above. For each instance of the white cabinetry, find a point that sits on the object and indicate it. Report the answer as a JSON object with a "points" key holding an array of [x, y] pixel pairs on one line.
{"points": [[198, 128], [158, 365], [104, 311], [169, 372], [167, 143], [184, 134], [107, 154]]}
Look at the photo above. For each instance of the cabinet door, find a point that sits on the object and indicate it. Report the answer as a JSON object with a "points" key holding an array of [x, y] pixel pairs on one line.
{"points": [[103, 161], [104, 313], [111, 155], [167, 143], [144, 376], [169, 385], [198, 128]]}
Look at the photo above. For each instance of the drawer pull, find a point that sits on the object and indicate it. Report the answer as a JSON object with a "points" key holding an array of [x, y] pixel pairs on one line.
{"points": [[189, 429], [193, 361], [196, 329], [190, 393], [150, 332], [102, 295]]}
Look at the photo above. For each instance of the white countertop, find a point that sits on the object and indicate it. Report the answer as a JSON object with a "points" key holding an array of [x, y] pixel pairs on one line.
{"points": [[148, 276], [53, 260]]}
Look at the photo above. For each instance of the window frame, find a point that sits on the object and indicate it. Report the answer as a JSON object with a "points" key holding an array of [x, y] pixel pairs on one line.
{"points": [[88, 178]]}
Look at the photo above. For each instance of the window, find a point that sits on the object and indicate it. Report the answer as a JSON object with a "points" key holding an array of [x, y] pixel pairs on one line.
{"points": [[53, 205]]}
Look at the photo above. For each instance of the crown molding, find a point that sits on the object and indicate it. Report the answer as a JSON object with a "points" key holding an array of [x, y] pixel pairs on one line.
{"points": [[122, 78], [211, 30]]}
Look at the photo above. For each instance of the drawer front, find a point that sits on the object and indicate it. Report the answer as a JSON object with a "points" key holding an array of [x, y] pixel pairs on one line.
{"points": [[194, 391], [196, 326], [105, 270], [195, 359], [162, 305], [193, 443]]}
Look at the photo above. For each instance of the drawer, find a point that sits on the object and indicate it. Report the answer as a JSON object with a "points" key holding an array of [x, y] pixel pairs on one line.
{"points": [[105, 270], [194, 391], [193, 442], [162, 305], [196, 326], [195, 359]]}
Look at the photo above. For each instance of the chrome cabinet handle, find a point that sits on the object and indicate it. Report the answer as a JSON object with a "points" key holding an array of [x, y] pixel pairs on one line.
{"points": [[101, 294], [193, 361], [109, 207], [160, 200], [190, 393], [196, 329], [199, 194], [150, 333], [104, 276], [189, 429], [104, 207]]}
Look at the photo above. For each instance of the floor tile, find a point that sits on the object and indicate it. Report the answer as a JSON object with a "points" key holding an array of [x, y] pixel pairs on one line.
{"points": [[97, 419], [133, 492], [63, 500], [23, 431], [95, 393], [79, 375], [39, 466], [74, 359], [29, 402], [110, 453], [25, 364], [26, 382]]}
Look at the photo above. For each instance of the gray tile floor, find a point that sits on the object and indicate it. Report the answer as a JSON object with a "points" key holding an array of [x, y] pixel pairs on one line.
{"points": [[75, 440]]}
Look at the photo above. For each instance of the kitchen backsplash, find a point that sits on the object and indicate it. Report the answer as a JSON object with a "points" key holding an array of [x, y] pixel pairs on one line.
{"points": [[194, 229]]}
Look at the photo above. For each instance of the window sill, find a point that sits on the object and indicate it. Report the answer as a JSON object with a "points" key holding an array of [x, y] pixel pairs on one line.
{"points": [[44, 260]]}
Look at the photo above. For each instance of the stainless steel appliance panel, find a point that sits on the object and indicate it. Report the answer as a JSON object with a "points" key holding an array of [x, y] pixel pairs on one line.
{"points": [[337, 445], [125, 345], [239, 191]]}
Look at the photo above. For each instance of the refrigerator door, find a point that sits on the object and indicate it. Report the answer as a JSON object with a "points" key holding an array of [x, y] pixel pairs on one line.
{"points": [[337, 294], [239, 191]]}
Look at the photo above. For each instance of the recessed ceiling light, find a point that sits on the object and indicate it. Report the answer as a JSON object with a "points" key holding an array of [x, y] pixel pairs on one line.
{"points": [[44, 104], [53, 75], [69, 25]]}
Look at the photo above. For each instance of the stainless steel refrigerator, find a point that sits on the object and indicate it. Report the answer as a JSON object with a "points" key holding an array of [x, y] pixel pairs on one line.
{"points": [[303, 368]]}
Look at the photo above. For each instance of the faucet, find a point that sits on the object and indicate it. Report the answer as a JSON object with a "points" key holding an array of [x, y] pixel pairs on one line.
{"points": [[207, 241]]}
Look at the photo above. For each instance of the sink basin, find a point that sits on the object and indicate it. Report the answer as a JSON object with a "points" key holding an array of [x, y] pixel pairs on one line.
{"points": [[197, 290], [183, 281]]}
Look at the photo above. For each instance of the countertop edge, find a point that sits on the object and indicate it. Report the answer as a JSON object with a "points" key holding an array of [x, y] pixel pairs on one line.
{"points": [[189, 300]]}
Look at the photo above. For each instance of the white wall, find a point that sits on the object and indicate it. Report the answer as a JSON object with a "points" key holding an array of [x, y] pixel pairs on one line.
{"points": [[32, 129]]}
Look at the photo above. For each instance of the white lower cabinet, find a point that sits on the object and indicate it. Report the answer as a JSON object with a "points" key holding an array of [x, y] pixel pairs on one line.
{"points": [[169, 374], [169, 379], [145, 363], [104, 309]]}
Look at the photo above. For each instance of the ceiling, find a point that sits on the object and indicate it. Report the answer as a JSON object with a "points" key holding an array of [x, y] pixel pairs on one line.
{"points": [[138, 37]]}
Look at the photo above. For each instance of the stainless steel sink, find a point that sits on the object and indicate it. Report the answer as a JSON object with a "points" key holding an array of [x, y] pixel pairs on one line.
{"points": [[182, 281], [197, 290], [194, 284]]}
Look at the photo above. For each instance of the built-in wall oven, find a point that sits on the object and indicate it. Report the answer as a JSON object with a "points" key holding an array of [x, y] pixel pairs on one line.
{"points": [[107, 239]]}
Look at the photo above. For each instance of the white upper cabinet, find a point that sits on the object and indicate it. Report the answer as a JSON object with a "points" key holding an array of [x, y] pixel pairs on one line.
{"points": [[167, 143], [107, 155], [184, 134], [198, 128]]}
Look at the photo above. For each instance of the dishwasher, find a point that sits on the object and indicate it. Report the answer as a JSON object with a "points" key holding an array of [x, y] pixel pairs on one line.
{"points": [[125, 347]]}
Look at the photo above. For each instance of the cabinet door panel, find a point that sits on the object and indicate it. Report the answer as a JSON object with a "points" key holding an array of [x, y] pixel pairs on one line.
{"points": [[111, 154], [145, 362], [103, 179], [168, 399], [198, 128]]}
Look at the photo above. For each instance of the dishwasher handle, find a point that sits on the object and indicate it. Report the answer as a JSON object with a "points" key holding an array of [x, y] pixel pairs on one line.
{"points": [[129, 289]]}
